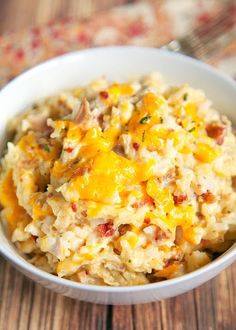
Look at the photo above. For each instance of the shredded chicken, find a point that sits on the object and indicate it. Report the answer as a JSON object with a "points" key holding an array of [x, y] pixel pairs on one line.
{"points": [[84, 117]]}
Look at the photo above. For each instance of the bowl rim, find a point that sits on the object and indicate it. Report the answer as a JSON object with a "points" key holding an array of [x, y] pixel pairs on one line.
{"points": [[25, 265]]}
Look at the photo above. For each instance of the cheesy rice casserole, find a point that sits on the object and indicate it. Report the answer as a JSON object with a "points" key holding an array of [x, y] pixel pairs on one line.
{"points": [[120, 183]]}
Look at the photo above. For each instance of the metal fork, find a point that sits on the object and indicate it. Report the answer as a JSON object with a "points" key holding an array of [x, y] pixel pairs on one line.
{"points": [[211, 36]]}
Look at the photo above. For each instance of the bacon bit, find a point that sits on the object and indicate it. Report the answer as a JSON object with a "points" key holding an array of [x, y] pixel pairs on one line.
{"points": [[122, 229], [136, 205], [69, 149], [160, 234], [208, 197], [205, 242], [149, 200], [84, 213], [50, 195], [73, 207], [106, 229], [147, 221], [178, 235], [170, 262], [136, 146], [147, 244], [34, 237], [200, 215], [80, 171], [117, 251], [104, 94], [44, 146], [217, 132], [100, 120], [179, 199]]}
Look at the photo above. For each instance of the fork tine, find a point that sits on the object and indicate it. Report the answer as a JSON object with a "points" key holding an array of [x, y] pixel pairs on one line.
{"points": [[203, 50], [210, 24], [203, 41], [207, 33], [217, 26]]}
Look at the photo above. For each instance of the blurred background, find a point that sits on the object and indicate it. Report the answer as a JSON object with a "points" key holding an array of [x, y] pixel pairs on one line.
{"points": [[17, 14], [32, 31]]}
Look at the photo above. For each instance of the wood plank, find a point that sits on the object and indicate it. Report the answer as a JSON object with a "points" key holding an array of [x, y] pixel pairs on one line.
{"points": [[26, 305], [148, 316], [122, 318], [179, 313]]}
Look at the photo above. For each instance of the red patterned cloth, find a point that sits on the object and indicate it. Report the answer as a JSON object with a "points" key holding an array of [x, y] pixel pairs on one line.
{"points": [[137, 24]]}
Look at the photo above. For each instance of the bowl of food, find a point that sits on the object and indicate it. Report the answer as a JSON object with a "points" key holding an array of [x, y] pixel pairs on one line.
{"points": [[117, 181]]}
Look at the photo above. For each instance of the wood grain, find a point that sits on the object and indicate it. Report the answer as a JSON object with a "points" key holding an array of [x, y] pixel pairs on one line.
{"points": [[26, 305]]}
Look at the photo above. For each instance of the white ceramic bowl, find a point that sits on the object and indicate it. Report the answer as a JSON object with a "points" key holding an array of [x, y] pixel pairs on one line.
{"points": [[116, 63]]}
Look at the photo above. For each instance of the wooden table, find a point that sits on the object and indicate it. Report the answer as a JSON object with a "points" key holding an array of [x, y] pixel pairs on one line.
{"points": [[25, 305]]}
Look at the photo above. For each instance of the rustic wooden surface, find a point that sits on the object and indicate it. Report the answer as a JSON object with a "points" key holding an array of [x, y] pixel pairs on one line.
{"points": [[25, 305]]}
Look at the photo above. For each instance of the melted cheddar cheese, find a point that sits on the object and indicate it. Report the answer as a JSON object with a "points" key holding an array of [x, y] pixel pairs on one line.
{"points": [[126, 183]]}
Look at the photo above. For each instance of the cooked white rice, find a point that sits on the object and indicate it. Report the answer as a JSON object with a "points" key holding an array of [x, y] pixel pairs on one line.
{"points": [[120, 184]]}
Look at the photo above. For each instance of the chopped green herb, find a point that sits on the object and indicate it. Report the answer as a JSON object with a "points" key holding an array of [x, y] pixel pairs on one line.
{"points": [[46, 147], [143, 136], [192, 129], [161, 120], [185, 96], [129, 260], [145, 120]]}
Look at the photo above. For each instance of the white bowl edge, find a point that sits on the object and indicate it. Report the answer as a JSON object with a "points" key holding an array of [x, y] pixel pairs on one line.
{"points": [[98, 294]]}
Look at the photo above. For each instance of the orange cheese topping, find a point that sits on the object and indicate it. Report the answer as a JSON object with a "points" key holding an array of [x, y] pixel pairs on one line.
{"points": [[39, 207], [34, 149], [98, 174], [109, 175], [145, 118], [13, 212], [168, 271]]}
